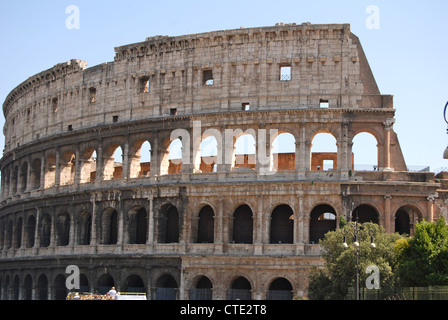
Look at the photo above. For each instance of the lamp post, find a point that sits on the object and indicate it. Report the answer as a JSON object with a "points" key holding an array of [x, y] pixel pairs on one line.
{"points": [[445, 154], [357, 228]]}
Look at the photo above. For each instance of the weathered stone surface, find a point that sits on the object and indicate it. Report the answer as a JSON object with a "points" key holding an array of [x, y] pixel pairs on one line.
{"points": [[197, 222]]}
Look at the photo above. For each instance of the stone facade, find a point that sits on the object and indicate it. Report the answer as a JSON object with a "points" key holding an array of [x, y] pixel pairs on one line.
{"points": [[220, 226]]}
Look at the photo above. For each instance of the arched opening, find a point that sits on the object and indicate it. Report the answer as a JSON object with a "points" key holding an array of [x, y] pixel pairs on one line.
{"points": [[30, 232], [240, 289], [105, 283], [365, 152], [324, 153], [109, 225], [206, 225], [45, 231], [28, 288], [138, 225], [209, 155], [24, 177], [7, 288], [15, 180], [83, 283], [365, 213], [280, 289], [113, 163], [50, 171], [245, 151], [42, 288], [18, 234], [67, 173], [402, 222], [175, 156], [243, 225], [63, 229], [202, 290], [15, 288], [284, 152], [322, 220], [134, 283], [35, 174], [140, 159], [85, 228], [59, 289], [88, 165], [9, 233], [169, 225], [282, 225], [145, 159], [166, 288], [405, 219]]}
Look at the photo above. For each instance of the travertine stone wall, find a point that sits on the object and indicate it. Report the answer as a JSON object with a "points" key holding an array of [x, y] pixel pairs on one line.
{"points": [[200, 225]]}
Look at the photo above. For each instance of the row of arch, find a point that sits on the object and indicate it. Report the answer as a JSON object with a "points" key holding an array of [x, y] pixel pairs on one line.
{"points": [[165, 287], [62, 229], [117, 161]]}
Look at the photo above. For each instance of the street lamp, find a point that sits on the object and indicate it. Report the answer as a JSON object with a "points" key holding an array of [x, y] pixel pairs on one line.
{"points": [[357, 228], [445, 154]]}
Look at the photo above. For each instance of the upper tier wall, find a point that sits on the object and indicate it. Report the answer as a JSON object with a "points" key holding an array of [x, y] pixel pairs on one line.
{"points": [[218, 71]]}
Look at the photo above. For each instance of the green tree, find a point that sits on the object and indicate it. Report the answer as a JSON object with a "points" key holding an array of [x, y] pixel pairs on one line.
{"points": [[339, 273], [423, 259]]}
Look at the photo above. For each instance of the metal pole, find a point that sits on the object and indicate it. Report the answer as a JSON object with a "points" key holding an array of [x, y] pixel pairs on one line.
{"points": [[357, 260]]}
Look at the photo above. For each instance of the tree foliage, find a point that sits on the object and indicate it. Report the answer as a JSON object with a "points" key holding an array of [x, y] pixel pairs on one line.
{"points": [[423, 259], [339, 273]]}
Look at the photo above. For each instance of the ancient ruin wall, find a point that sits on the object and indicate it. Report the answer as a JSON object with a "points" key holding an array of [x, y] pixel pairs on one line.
{"points": [[195, 74]]}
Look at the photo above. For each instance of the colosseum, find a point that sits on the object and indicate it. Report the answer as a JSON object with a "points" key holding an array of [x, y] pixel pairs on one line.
{"points": [[89, 177]]}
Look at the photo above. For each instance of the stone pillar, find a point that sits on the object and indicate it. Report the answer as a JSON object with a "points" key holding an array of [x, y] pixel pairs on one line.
{"points": [[99, 165], [78, 162], [298, 222], [387, 213], [125, 163], [150, 237], [430, 208], [42, 171], [36, 231], [388, 125], [57, 170], [155, 161], [258, 227], [218, 221], [93, 235]]}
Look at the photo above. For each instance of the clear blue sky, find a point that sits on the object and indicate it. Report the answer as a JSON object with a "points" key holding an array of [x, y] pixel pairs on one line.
{"points": [[407, 49]]}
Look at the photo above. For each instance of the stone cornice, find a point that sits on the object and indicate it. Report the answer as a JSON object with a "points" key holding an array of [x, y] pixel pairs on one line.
{"points": [[52, 74]]}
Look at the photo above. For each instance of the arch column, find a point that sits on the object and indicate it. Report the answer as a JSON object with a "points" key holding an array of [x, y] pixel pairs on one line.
{"points": [[430, 207], [93, 234], [150, 236], [387, 213], [218, 221], [386, 165]]}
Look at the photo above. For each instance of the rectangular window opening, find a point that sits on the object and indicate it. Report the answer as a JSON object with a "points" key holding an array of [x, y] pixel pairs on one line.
{"points": [[323, 104], [70, 127], [173, 111], [144, 84], [207, 77], [328, 165], [115, 118], [245, 106], [285, 73], [92, 92], [55, 104]]}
